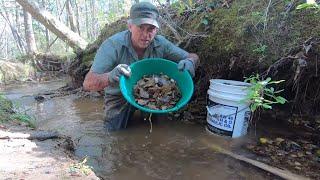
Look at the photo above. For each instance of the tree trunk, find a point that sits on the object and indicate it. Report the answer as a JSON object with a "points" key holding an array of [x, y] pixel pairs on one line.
{"points": [[14, 31], [87, 20], [94, 24], [71, 16], [46, 30], [7, 48], [54, 25], [31, 42], [17, 13], [77, 16]]}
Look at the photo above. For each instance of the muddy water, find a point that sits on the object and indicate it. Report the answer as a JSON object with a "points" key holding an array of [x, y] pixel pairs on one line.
{"points": [[173, 150]]}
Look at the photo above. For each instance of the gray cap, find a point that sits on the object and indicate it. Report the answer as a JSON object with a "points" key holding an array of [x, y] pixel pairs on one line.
{"points": [[144, 13]]}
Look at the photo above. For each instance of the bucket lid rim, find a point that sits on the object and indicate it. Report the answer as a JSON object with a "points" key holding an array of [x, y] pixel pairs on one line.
{"points": [[232, 82]]}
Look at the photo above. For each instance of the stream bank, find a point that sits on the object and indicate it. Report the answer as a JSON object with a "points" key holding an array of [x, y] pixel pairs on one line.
{"points": [[173, 150]]}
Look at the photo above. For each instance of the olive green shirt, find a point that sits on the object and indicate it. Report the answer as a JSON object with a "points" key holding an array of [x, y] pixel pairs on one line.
{"points": [[118, 49]]}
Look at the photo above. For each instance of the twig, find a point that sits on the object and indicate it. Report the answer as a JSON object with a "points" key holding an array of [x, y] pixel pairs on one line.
{"points": [[170, 24], [316, 65], [174, 31], [4, 28], [149, 118], [52, 42], [266, 16]]}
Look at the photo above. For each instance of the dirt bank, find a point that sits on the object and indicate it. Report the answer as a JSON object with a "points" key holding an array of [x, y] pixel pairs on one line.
{"points": [[21, 158]]}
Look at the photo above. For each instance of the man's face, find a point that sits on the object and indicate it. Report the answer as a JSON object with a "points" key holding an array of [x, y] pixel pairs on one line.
{"points": [[142, 35]]}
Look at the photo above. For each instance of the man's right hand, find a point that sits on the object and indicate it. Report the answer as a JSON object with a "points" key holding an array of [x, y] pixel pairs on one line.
{"points": [[120, 69]]}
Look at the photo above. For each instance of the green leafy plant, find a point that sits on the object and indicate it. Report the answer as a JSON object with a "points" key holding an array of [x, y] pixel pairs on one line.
{"points": [[261, 94], [308, 6], [81, 166], [8, 112], [261, 49]]}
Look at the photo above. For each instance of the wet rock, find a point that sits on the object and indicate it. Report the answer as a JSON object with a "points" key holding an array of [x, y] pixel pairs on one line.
{"points": [[39, 98], [297, 163]]}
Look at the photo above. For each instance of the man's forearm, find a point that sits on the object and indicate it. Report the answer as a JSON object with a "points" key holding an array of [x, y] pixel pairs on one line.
{"points": [[195, 58], [95, 82]]}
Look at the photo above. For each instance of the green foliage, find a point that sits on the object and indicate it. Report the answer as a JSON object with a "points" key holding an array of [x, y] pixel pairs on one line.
{"points": [[308, 6], [261, 49], [8, 114], [261, 95], [245, 28], [82, 167], [6, 107]]}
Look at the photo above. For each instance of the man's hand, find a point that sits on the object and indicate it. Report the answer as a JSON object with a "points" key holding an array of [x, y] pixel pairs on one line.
{"points": [[187, 64], [121, 69]]}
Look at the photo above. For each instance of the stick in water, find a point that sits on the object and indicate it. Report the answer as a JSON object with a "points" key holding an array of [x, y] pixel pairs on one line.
{"points": [[285, 174], [149, 118]]}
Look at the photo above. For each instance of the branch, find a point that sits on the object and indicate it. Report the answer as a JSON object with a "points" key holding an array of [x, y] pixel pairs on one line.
{"points": [[170, 24], [266, 16], [4, 28], [285, 174], [38, 135], [174, 31]]}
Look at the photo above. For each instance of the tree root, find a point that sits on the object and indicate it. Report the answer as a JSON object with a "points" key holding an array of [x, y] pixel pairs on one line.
{"points": [[38, 135]]}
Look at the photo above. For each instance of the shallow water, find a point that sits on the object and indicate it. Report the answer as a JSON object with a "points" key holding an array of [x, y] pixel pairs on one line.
{"points": [[173, 150]]}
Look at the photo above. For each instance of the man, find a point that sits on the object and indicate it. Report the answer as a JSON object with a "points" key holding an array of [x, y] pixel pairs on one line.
{"points": [[120, 50]]}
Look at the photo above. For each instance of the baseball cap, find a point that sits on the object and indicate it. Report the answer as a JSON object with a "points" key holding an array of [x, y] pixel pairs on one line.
{"points": [[144, 13]]}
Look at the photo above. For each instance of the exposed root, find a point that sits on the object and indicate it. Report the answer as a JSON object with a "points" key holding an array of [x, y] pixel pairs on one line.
{"points": [[299, 69]]}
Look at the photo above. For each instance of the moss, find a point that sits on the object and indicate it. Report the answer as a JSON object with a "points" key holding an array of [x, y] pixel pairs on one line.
{"points": [[88, 58], [107, 31], [243, 28], [6, 107], [8, 114]]}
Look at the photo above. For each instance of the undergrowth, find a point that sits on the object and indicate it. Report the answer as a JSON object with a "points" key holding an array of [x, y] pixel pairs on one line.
{"points": [[11, 112]]}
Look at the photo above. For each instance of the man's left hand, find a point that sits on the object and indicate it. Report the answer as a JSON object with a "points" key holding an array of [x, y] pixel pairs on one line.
{"points": [[187, 64]]}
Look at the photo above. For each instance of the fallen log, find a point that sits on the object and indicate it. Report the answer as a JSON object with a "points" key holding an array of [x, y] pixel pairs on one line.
{"points": [[38, 135], [285, 174]]}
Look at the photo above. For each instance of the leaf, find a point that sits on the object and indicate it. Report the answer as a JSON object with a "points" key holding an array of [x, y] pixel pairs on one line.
{"points": [[303, 6], [281, 100], [269, 90], [205, 22], [307, 5], [253, 107], [266, 106], [265, 82], [263, 140]]}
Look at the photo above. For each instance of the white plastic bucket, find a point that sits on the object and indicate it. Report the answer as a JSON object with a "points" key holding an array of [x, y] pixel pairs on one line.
{"points": [[226, 114]]}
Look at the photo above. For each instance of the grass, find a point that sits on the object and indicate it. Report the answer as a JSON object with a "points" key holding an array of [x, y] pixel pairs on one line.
{"points": [[8, 113]]}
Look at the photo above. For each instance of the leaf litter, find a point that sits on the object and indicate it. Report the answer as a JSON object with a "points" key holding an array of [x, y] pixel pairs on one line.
{"points": [[158, 92]]}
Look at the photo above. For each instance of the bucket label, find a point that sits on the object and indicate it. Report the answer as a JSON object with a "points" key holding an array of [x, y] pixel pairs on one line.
{"points": [[222, 116]]}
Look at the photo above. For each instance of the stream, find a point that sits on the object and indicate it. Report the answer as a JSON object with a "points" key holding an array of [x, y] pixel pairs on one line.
{"points": [[173, 150]]}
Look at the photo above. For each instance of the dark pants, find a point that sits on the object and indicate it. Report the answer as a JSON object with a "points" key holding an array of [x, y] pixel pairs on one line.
{"points": [[117, 112]]}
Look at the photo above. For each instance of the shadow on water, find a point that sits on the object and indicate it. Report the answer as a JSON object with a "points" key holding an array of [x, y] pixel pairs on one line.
{"points": [[173, 150]]}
